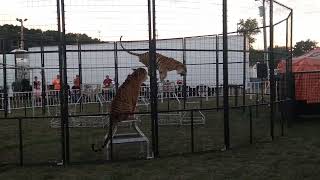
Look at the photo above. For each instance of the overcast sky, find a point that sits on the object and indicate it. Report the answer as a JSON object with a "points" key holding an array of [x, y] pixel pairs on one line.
{"points": [[109, 19]]}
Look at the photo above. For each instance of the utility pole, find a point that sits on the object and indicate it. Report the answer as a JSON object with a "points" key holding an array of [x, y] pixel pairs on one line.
{"points": [[264, 29], [262, 13], [21, 33]]}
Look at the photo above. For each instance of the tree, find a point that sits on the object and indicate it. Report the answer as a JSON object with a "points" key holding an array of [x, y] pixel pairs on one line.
{"points": [[280, 53], [33, 37], [302, 47], [250, 28]]}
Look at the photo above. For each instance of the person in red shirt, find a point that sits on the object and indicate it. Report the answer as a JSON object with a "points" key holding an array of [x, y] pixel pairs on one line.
{"points": [[56, 83], [107, 82]]}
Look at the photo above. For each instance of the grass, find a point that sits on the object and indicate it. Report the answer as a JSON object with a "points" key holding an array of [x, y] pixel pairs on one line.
{"points": [[294, 156], [263, 160]]}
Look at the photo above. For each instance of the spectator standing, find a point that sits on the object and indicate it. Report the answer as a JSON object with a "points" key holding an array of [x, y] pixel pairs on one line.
{"points": [[56, 83]]}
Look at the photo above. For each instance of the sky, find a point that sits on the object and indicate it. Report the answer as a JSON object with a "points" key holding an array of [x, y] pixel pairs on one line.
{"points": [[109, 19]]}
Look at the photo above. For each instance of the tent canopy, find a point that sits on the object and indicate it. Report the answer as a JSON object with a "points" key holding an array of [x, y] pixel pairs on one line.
{"points": [[306, 69]]}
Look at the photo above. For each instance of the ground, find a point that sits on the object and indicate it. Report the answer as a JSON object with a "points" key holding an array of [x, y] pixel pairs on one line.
{"points": [[294, 156]]}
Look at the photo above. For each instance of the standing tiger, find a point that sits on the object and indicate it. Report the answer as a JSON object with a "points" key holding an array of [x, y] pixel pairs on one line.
{"points": [[164, 63], [124, 103]]}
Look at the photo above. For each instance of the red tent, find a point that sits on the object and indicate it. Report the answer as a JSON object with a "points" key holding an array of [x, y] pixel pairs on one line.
{"points": [[306, 70]]}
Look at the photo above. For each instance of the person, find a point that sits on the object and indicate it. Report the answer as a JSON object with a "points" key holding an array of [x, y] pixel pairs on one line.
{"points": [[107, 91], [36, 86], [56, 83], [179, 88], [75, 89], [107, 82], [76, 82]]}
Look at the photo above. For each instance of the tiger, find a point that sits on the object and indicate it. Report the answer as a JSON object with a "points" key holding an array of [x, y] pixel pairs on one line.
{"points": [[164, 63], [124, 103]]}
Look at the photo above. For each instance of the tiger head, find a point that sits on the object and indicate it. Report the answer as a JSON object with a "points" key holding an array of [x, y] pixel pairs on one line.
{"points": [[140, 74]]}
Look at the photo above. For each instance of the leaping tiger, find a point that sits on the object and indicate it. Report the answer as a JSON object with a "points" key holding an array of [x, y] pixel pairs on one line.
{"points": [[164, 63], [124, 103]]}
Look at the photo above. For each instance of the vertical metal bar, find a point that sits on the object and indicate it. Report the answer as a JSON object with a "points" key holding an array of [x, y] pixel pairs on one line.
{"points": [[80, 73], [287, 35], [64, 79], [282, 118], [257, 107], [184, 86], [111, 140], [250, 118], [192, 133], [272, 77], [225, 77], [15, 69], [116, 72], [60, 94], [217, 73], [244, 71], [5, 87], [287, 76], [20, 142], [291, 56], [43, 80], [236, 95], [155, 79], [153, 76], [80, 63]]}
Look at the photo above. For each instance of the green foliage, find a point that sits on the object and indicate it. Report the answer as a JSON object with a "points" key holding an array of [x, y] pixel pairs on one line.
{"points": [[302, 47], [255, 56], [249, 27], [33, 37], [280, 53]]}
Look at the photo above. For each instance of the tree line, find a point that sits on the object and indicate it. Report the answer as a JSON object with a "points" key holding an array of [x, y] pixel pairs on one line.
{"points": [[36, 37], [250, 28]]}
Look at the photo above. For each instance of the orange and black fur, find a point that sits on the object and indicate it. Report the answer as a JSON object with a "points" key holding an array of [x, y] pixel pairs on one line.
{"points": [[124, 103], [164, 63]]}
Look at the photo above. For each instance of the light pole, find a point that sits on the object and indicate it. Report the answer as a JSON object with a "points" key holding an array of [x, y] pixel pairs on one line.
{"points": [[262, 10], [21, 33]]}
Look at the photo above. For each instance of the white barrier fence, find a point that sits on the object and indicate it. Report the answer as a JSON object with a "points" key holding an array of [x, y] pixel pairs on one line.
{"points": [[21, 100]]}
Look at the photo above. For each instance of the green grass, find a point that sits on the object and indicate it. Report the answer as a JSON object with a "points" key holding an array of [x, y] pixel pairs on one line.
{"points": [[261, 160], [294, 156]]}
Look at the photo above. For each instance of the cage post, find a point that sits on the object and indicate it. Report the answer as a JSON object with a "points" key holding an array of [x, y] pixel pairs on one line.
{"points": [[272, 77], [292, 85], [43, 80], [111, 140], [80, 72], [184, 86], [153, 75], [192, 133], [217, 72], [20, 142], [250, 119], [244, 71], [236, 94], [116, 72], [5, 87], [63, 81], [292, 79], [15, 70], [225, 77]]}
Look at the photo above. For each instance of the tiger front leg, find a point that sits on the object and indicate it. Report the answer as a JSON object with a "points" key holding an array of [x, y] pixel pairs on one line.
{"points": [[163, 75]]}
